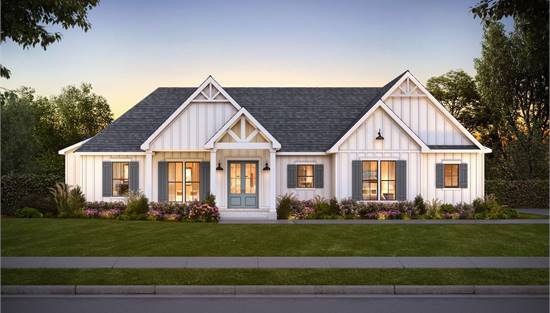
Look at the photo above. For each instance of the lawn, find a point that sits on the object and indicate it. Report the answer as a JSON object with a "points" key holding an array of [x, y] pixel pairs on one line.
{"points": [[275, 277], [83, 237]]}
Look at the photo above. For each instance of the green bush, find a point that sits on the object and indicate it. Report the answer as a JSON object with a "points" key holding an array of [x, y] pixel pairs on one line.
{"points": [[447, 208], [20, 191], [419, 206], [137, 207], [76, 201], [43, 203], [28, 213], [210, 199], [284, 206], [520, 193]]}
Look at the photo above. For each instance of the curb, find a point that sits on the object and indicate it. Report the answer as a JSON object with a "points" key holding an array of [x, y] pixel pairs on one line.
{"points": [[273, 290]]}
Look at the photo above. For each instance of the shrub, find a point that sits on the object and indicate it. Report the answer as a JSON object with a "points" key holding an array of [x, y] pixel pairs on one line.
{"points": [[76, 201], [28, 213], [107, 210], [202, 212], [43, 203], [210, 199], [167, 211], [419, 206], [16, 189], [465, 211], [324, 209], [60, 194], [284, 205], [520, 193], [490, 208], [137, 207], [349, 208], [433, 209]]}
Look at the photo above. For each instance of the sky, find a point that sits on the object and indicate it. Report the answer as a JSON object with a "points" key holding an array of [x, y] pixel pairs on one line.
{"points": [[134, 47]]}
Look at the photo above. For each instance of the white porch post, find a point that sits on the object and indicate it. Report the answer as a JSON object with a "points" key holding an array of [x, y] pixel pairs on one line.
{"points": [[213, 178], [149, 175], [273, 182]]}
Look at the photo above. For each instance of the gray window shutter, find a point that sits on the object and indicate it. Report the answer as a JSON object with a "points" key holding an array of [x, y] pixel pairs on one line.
{"points": [[401, 179], [133, 176], [463, 175], [204, 185], [162, 181], [356, 180], [291, 176], [319, 175], [439, 175], [107, 179]]}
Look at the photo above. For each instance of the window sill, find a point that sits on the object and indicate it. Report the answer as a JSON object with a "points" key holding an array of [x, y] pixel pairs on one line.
{"points": [[452, 188], [306, 189]]}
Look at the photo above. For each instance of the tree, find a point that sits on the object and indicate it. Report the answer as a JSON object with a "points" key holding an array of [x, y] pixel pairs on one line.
{"points": [[25, 21], [457, 91], [81, 113]]}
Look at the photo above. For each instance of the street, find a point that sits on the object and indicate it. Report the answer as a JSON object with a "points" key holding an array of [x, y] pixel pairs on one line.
{"points": [[258, 304]]}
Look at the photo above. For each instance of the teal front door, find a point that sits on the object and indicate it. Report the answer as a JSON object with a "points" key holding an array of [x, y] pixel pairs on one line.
{"points": [[242, 184]]}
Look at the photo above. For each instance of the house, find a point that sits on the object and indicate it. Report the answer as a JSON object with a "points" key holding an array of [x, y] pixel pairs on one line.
{"points": [[249, 145]]}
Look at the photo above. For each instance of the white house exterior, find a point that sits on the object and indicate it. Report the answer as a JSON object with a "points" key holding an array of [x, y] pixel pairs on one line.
{"points": [[249, 145]]}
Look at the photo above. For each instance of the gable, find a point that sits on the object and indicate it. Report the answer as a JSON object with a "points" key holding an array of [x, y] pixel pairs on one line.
{"points": [[198, 121], [364, 136], [414, 106]]}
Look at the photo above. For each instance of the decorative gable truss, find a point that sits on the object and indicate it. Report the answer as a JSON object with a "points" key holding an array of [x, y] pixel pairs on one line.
{"points": [[242, 131], [208, 93], [425, 116]]}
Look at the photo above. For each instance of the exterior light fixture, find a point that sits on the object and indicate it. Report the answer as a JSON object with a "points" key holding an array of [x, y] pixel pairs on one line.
{"points": [[379, 137], [266, 167], [219, 168]]}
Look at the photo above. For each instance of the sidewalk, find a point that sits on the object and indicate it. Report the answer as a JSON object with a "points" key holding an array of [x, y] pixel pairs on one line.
{"points": [[274, 262]]}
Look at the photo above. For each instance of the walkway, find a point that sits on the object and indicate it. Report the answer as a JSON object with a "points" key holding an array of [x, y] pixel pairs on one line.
{"points": [[274, 262], [535, 211], [420, 222]]}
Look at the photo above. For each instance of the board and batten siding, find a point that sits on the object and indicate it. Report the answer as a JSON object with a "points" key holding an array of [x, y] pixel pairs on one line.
{"points": [[194, 126], [426, 120], [304, 193], [86, 172]]}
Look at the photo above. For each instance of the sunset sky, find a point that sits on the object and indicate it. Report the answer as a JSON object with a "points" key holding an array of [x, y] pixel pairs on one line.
{"points": [[136, 46]]}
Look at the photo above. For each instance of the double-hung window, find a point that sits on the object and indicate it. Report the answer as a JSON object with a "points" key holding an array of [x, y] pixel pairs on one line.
{"points": [[120, 179], [183, 181], [305, 176], [379, 180], [450, 175]]}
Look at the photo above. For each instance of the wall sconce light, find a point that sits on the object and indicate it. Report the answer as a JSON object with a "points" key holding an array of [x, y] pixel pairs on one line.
{"points": [[219, 168], [379, 137], [266, 167]]}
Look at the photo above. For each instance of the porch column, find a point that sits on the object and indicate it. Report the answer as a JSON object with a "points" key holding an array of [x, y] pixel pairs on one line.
{"points": [[149, 175], [273, 181], [213, 173]]}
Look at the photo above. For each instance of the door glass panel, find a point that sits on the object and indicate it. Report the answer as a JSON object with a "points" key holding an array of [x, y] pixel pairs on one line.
{"points": [[250, 178], [235, 178]]}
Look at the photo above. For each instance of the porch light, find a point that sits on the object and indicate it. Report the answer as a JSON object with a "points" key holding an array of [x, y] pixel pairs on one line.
{"points": [[379, 137], [219, 168], [266, 167]]}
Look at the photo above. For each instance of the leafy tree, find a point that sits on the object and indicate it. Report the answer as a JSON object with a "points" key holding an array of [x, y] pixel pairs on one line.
{"points": [[25, 21], [457, 91]]}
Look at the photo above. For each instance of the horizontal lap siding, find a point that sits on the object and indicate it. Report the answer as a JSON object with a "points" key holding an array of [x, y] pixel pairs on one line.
{"points": [[304, 194]]}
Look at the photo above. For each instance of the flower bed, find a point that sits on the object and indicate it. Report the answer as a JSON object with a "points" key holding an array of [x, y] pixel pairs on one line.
{"points": [[288, 207]]}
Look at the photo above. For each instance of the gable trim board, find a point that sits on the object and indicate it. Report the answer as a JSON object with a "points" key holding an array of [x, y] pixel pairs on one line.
{"points": [[181, 108], [272, 118]]}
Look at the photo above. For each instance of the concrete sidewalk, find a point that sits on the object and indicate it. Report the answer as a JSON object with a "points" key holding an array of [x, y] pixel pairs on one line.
{"points": [[274, 262]]}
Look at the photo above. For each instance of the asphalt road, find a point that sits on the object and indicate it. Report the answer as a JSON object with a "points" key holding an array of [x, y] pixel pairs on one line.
{"points": [[259, 304]]}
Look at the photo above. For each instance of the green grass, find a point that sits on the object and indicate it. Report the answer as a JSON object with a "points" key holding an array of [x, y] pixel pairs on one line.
{"points": [[275, 277], [84, 237], [523, 215]]}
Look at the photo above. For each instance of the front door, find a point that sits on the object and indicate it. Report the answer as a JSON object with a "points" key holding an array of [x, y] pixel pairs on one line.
{"points": [[242, 182]]}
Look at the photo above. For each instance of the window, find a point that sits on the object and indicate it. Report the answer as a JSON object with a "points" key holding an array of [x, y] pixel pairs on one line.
{"points": [[175, 181], [120, 179], [192, 181], [305, 176], [183, 186], [370, 180], [450, 175], [379, 175], [387, 180]]}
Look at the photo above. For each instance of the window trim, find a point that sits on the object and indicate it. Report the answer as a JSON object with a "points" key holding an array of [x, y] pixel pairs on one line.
{"points": [[312, 176], [379, 181], [127, 180], [457, 186]]}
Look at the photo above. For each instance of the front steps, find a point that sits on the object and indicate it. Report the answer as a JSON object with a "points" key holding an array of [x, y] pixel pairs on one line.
{"points": [[247, 214]]}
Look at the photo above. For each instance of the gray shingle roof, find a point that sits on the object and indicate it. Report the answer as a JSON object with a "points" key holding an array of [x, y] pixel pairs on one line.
{"points": [[453, 147], [301, 119]]}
